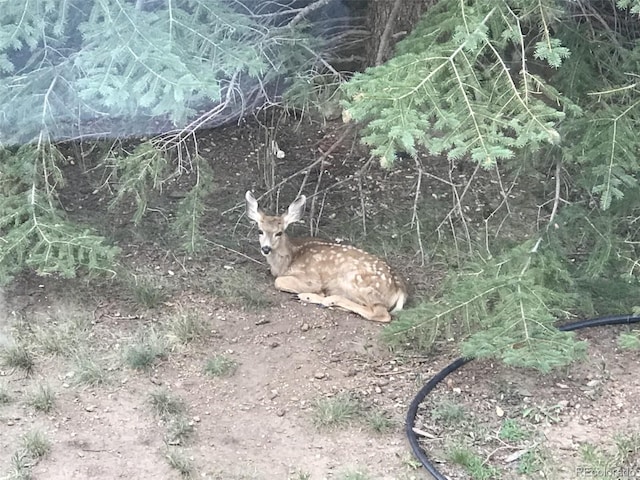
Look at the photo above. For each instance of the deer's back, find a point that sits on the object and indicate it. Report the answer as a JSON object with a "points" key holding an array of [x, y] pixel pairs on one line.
{"points": [[347, 271]]}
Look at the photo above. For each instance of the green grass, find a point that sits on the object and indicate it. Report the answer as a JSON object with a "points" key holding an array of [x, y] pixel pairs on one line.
{"points": [[300, 475], [185, 328], [148, 293], [62, 336], [379, 421], [629, 341], [220, 366], [144, 352], [179, 461], [166, 405], [512, 431], [42, 398], [597, 458], [472, 463], [18, 356], [531, 462], [36, 444], [20, 466], [354, 475], [179, 429], [449, 413], [88, 372], [336, 411], [5, 397], [238, 286]]}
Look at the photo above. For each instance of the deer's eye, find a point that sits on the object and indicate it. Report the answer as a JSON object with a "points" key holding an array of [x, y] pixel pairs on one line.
{"points": [[279, 234], [260, 232]]}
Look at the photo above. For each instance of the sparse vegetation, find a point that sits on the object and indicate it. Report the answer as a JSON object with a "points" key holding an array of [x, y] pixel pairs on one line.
{"points": [[220, 366], [448, 413], [36, 444], [512, 431], [33, 446], [300, 475], [179, 429], [336, 411], [237, 285], [20, 466], [378, 421], [147, 292], [183, 464], [166, 405], [5, 397], [42, 398], [185, 328], [62, 336], [472, 463], [148, 348], [629, 341], [89, 372], [18, 356], [530, 462], [354, 475]]}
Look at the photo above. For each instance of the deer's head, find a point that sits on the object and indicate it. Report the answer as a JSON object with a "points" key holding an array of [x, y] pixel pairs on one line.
{"points": [[272, 228]]}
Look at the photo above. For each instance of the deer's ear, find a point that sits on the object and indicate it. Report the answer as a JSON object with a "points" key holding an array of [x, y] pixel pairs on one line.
{"points": [[252, 207], [295, 211]]}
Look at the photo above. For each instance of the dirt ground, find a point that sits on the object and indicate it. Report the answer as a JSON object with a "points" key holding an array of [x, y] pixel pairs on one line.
{"points": [[258, 422]]}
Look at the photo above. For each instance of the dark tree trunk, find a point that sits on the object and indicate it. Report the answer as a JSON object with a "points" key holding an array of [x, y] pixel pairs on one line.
{"points": [[389, 21]]}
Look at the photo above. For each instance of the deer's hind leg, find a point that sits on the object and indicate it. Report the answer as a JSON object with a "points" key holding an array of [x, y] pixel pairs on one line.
{"points": [[376, 312], [293, 284]]}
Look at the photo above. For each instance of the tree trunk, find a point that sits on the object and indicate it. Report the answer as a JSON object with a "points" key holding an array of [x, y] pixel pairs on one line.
{"points": [[390, 21]]}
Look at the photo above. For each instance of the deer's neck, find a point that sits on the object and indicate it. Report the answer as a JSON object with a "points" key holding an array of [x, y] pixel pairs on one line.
{"points": [[279, 260]]}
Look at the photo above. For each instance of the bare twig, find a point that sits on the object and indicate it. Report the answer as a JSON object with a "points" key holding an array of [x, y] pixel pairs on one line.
{"points": [[306, 10], [386, 34], [415, 220]]}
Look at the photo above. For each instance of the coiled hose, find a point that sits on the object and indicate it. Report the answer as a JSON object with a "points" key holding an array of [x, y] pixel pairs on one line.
{"points": [[431, 384]]}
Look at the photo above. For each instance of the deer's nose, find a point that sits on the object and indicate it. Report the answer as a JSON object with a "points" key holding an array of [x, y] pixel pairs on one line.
{"points": [[266, 250]]}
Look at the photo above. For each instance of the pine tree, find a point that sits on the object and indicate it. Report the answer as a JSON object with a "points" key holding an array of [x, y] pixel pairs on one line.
{"points": [[119, 68], [515, 84]]}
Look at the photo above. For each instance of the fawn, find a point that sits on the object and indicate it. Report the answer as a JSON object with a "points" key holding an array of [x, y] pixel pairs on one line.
{"points": [[326, 273]]}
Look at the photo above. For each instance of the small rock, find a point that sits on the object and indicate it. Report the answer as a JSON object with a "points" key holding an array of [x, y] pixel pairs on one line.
{"points": [[378, 389], [274, 344], [90, 408], [319, 375], [280, 413], [196, 419], [305, 327]]}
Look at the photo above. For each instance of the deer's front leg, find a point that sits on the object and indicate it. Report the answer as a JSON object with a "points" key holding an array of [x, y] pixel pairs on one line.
{"points": [[293, 284]]}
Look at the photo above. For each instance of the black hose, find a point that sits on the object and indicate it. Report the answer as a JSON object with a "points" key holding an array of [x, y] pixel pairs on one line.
{"points": [[431, 384]]}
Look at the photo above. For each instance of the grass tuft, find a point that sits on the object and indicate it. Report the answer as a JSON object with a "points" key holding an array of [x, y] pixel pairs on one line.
{"points": [[17, 356], [448, 413], [5, 397], [179, 429], [42, 398], [182, 463], [166, 405], [354, 475], [472, 463], [142, 354], [335, 411], [379, 421], [185, 328], [88, 372], [148, 293], [36, 444], [220, 366]]}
